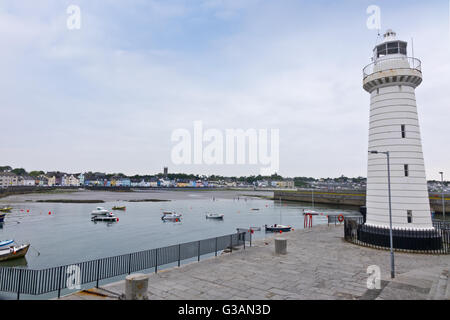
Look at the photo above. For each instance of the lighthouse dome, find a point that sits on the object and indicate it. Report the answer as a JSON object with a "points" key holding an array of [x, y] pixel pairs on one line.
{"points": [[390, 46]]}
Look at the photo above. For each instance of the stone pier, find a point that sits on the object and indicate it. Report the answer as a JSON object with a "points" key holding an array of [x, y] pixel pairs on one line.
{"points": [[319, 265]]}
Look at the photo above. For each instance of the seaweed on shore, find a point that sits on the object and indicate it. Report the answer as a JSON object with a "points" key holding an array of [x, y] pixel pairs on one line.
{"points": [[70, 201], [148, 200]]}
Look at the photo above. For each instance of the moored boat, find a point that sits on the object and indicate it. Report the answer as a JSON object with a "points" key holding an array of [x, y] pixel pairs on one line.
{"points": [[172, 216], [277, 228], [5, 243], [6, 209], [109, 217], [9, 253], [216, 216], [119, 208], [310, 212], [100, 211]]}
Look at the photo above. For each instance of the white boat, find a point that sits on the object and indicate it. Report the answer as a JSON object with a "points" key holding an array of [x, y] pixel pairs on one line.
{"points": [[172, 216], [5, 243], [9, 253], [100, 211], [310, 212], [214, 216], [109, 218], [277, 228]]}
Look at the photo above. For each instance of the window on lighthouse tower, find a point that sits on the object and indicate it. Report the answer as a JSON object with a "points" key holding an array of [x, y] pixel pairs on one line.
{"points": [[409, 215]]}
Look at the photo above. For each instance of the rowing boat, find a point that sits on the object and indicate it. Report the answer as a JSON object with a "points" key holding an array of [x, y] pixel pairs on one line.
{"points": [[10, 253]]}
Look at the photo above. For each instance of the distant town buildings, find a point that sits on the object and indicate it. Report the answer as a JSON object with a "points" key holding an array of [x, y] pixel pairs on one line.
{"points": [[100, 179]]}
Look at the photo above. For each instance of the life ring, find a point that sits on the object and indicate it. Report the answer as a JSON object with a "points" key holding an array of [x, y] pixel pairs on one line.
{"points": [[340, 218]]}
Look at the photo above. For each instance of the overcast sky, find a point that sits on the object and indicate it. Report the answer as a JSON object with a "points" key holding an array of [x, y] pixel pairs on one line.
{"points": [[108, 96]]}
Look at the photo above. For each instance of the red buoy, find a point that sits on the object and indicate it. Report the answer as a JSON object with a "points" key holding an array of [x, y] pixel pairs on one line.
{"points": [[49, 212]]}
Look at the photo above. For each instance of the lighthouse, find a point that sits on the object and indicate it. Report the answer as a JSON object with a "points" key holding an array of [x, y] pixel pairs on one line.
{"points": [[391, 80]]}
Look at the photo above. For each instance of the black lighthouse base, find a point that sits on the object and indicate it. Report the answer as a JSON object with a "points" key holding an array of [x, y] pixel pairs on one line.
{"points": [[417, 240]]}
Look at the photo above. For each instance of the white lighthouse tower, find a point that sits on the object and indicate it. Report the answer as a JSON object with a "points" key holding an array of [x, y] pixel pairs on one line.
{"points": [[391, 81]]}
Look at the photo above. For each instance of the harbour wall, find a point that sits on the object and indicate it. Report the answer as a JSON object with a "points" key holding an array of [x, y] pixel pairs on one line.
{"points": [[355, 198]]}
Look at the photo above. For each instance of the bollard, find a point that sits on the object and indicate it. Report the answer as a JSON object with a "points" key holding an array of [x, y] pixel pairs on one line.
{"points": [[136, 286], [280, 246]]}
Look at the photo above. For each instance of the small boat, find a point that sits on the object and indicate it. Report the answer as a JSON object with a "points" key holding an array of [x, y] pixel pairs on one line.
{"points": [[255, 209], [109, 217], [310, 212], [172, 216], [214, 216], [277, 228], [5, 243], [119, 208], [100, 211], [9, 253], [6, 209]]}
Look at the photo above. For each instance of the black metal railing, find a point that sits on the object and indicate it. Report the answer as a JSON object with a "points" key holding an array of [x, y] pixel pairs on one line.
{"points": [[436, 241], [38, 282]]}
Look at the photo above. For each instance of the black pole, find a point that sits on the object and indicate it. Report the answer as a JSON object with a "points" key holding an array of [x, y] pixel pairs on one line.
{"points": [[20, 284], [231, 243], [179, 254], [156, 260], [59, 281], [216, 247], [198, 251], [98, 272], [129, 263]]}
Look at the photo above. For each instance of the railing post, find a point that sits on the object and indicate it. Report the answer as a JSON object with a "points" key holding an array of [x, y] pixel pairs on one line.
{"points": [[129, 263], [216, 247], [59, 281], [198, 251], [20, 283], [156, 261], [179, 254], [250, 238], [98, 273], [231, 243]]}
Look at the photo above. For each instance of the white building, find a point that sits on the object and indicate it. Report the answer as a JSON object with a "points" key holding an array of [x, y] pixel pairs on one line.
{"points": [[8, 179], [26, 181], [391, 81]]}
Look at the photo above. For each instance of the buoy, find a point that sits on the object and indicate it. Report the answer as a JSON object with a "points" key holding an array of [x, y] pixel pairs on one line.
{"points": [[49, 212], [28, 210], [117, 219], [281, 231]]}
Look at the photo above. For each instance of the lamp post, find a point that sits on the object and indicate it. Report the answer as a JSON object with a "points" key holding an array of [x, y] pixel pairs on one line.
{"points": [[443, 198], [390, 211]]}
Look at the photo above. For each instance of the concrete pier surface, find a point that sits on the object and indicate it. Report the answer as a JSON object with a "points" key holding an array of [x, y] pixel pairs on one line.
{"points": [[319, 264]]}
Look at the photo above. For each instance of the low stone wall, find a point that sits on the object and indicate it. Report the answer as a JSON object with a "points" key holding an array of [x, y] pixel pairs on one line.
{"points": [[355, 198]]}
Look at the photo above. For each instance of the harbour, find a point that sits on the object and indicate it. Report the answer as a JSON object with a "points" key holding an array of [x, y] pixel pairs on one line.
{"points": [[53, 227]]}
